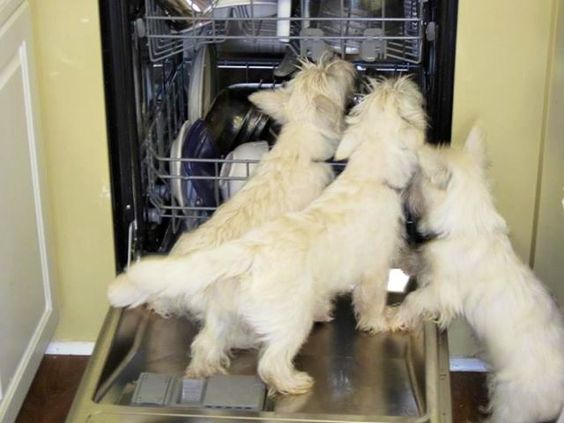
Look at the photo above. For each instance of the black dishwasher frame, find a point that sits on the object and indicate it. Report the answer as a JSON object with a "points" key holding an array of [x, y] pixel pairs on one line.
{"points": [[117, 19]]}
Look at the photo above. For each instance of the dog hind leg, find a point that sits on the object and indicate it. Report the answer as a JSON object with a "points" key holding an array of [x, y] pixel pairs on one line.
{"points": [[509, 404], [209, 350], [323, 309], [417, 306], [369, 299], [276, 366]]}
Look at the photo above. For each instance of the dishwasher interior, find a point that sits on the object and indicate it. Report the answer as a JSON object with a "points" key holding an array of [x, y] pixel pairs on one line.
{"points": [[183, 138]]}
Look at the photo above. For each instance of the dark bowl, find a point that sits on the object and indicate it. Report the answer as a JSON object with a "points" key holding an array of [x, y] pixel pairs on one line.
{"points": [[234, 120]]}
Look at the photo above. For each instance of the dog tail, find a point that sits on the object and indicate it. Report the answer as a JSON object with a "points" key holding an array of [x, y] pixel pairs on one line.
{"points": [[173, 276]]}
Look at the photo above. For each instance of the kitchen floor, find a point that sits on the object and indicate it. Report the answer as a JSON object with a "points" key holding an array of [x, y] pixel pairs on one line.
{"points": [[55, 384]]}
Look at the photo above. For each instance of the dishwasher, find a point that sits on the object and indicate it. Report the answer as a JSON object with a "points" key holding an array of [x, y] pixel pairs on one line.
{"points": [[177, 73]]}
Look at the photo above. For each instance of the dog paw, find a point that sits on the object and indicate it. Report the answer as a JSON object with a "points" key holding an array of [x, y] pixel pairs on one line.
{"points": [[396, 321], [323, 312], [202, 368], [373, 325], [162, 315], [373, 328], [298, 384], [161, 309], [324, 318], [203, 371]]}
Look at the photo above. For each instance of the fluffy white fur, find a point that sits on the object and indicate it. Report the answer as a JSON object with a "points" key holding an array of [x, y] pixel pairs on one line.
{"points": [[269, 285], [471, 270], [311, 110]]}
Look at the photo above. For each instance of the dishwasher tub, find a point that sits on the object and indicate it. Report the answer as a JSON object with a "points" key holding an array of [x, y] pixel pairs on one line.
{"points": [[147, 71], [381, 378]]}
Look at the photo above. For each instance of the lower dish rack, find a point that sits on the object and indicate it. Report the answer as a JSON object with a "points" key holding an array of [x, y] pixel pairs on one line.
{"points": [[185, 188]]}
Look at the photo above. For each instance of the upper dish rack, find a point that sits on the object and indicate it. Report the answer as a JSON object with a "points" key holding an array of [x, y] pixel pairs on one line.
{"points": [[364, 30]]}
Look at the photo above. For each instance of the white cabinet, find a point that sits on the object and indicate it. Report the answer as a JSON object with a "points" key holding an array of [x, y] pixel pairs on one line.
{"points": [[27, 312]]}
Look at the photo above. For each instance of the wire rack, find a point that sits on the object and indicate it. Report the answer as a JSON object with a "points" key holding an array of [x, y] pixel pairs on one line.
{"points": [[369, 30], [160, 175]]}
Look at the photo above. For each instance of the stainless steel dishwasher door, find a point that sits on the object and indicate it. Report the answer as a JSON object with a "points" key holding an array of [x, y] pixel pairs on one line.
{"points": [[382, 378]]}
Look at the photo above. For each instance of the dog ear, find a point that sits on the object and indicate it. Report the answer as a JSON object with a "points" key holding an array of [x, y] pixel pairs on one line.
{"points": [[271, 102], [343, 70], [328, 113], [434, 167], [475, 146], [325, 107], [348, 144]]}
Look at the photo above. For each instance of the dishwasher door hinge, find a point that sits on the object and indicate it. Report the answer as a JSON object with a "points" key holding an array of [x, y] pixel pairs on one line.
{"points": [[133, 253]]}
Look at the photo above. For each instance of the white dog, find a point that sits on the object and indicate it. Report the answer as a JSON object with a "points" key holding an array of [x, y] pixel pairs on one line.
{"points": [[470, 270], [277, 278], [311, 111]]}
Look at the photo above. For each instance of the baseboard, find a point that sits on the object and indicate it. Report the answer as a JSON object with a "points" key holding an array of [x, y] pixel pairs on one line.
{"points": [[70, 348], [467, 364]]}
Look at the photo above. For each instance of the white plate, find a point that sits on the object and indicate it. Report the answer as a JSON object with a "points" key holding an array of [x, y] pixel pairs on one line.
{"points": [[202, 88], [248, 151], [176, 165]]}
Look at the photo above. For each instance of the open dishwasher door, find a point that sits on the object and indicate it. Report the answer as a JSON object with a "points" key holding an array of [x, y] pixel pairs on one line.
{"points": [[163, 67], [381, 378]]}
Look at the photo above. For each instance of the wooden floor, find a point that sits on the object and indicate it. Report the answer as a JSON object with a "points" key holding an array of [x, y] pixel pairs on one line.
{"points": [[469, 395], [55, 384], [52, 391]]}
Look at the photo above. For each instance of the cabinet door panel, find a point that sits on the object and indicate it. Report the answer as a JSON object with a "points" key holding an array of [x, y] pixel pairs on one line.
{"points": [[27, 314]]}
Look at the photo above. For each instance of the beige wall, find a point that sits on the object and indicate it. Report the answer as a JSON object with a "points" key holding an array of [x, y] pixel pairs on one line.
{"points": [[500, 77], [67, 44], [501, 68], [549, 251]]}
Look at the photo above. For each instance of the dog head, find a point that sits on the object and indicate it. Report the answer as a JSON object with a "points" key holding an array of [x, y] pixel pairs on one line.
{"points": [[450, 192], [317, 90], [390, 119]]}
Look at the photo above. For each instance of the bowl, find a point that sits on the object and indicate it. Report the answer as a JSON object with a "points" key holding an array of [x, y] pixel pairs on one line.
{"points": [[189, 9], [234, 120], [237, 168]]}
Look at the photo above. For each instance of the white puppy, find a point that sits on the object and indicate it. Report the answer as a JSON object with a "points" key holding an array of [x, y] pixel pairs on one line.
{"points": [[276, 278], [470, 270], [311, 111]]}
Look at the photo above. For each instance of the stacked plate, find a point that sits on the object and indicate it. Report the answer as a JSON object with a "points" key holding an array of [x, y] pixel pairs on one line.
{"points": [[229, 129], [203, 82], [240, 164], [194, 142], [216, 125]]}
